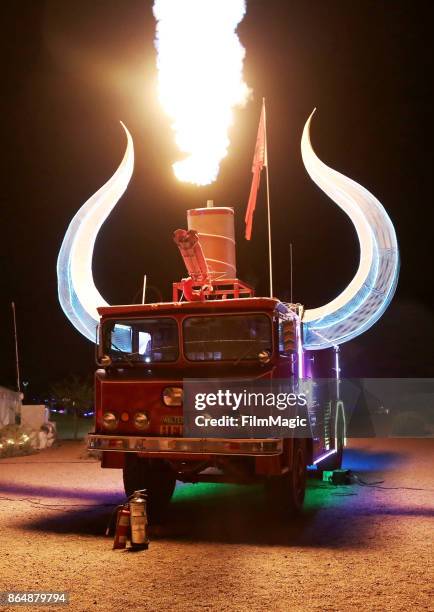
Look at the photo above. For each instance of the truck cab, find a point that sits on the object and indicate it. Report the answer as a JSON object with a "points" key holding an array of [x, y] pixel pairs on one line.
{"points": [[144, 354]]}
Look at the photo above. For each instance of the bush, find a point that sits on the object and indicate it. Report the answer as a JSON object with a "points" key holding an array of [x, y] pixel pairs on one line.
{"points": [[16, 440]]}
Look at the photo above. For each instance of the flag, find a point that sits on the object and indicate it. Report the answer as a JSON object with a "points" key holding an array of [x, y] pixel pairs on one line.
{"points": [[259, 161]]}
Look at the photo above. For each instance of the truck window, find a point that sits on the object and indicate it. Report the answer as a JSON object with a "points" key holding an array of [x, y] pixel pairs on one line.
{"points": [[141, 340], [226, 337]]}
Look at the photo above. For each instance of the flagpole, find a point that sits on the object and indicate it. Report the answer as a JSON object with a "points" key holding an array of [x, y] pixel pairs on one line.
{"points": [[290, 264], [17, 362], [270, 257], [144, 290]]}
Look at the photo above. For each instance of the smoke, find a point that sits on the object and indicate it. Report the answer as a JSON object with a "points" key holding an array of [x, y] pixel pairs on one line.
{"points": [[200, 68]]}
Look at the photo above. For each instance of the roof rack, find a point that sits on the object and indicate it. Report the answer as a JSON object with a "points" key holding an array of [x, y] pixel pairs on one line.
{"points": [[224, 289]]}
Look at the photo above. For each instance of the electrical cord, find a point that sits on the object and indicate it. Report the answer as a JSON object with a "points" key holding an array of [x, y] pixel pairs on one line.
{"points": [[376, 485], [353, 478], [337, 493]]}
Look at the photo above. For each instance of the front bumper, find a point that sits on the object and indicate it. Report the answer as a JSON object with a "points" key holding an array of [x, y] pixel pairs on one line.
{"points": [[190, 446]]}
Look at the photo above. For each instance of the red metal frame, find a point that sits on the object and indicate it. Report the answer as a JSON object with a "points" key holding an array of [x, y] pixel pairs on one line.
{"points": [[228, 288]]}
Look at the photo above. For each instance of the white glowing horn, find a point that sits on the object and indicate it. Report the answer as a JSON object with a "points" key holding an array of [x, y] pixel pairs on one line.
{"points": [[367, 296], [78, 295]]}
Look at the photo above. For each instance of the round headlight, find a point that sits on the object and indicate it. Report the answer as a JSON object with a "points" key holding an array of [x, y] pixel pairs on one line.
{"points": [[141, 420], [173, 396], [110, 420]]}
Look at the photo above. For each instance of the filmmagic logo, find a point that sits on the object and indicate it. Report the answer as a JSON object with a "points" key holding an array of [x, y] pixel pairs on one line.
{"points": [[230, 399], [250, 421]]}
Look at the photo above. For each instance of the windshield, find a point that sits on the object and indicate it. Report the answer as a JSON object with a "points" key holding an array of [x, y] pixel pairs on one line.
{"points": [[141, 340], [226, 337]]}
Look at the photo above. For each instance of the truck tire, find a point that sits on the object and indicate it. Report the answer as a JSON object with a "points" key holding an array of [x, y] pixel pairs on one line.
{"points": [[154, 475], [286, 493]]}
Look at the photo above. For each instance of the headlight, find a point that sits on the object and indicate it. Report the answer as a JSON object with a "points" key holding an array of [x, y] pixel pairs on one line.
{"points": [[141, 420], [172, 396], [110, 420]]}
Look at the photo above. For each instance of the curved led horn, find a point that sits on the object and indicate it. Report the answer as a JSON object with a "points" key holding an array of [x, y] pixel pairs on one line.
{"points": [[78, 295], [367, 296]]}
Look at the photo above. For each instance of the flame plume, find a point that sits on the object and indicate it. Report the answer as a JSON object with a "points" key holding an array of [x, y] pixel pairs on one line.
{"points": [[200, 66]]}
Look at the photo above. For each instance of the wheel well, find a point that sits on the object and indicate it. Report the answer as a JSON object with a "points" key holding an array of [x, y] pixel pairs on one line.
{"points": [[288, 445]]}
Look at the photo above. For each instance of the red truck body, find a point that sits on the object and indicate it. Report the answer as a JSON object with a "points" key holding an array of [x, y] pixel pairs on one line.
{"points": [[138, 431]]}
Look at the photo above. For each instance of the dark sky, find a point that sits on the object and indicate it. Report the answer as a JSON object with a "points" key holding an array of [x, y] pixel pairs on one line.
{"points": [[72, 69]]}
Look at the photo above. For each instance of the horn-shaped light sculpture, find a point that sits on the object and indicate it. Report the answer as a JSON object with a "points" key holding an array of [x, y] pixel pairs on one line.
{"points": [[351, 313], [367, 296], [78, 295]]}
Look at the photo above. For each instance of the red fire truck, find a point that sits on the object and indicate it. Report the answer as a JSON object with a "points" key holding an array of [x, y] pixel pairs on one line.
{"points": [[213, 328]]}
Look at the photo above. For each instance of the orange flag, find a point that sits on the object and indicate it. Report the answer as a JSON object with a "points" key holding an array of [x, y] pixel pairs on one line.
{"points": [[259, 161]]}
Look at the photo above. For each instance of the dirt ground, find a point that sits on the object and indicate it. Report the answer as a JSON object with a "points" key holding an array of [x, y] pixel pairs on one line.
{"points": [[354, 548]]}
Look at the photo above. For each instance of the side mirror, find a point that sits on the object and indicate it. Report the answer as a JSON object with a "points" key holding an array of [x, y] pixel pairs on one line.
{"points": [[100, 358], [98, 353], [264, 357]]}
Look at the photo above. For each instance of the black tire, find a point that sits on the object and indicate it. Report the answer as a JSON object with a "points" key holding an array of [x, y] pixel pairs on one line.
{"points": [[286, 493], [154, 475]]}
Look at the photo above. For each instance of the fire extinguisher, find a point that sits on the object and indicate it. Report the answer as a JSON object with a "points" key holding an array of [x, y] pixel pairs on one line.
{"points": [[139, 520], [122, 532]]}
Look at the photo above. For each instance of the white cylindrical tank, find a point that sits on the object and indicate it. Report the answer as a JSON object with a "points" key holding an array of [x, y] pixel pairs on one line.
{"points": [[215, 226]]}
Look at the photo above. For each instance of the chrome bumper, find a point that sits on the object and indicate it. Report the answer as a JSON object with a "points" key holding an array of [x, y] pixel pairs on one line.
{"points": [[195, 446]]}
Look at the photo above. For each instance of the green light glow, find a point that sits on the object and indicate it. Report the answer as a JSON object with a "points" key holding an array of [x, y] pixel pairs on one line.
{"points": [[211, 490], [318, 495]]}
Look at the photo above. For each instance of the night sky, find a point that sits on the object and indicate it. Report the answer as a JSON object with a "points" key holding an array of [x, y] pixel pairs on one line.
{"points": [[72, 69]]}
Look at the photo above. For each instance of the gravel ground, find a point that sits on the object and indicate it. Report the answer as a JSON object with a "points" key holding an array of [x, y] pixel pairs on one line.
{"points": [[355, 548]]}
